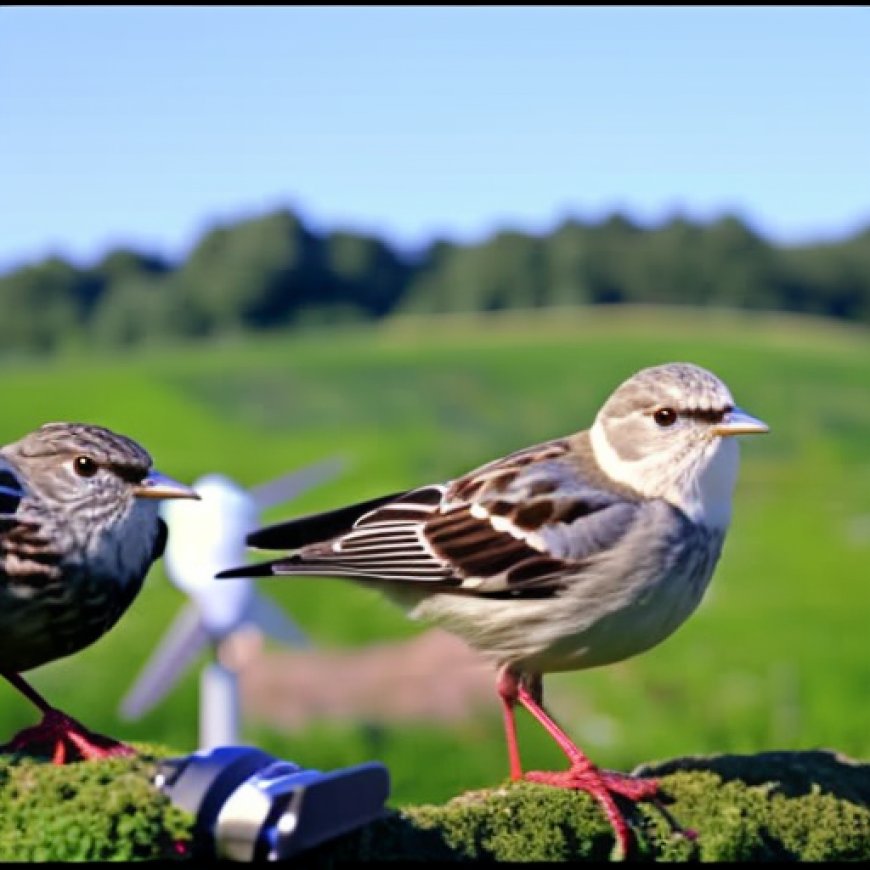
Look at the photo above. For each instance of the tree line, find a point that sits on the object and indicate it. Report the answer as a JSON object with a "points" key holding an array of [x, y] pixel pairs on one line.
{"points": [[273, 271]]}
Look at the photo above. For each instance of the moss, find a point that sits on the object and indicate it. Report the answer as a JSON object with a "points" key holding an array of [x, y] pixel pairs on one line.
{"points": [[800, 806], [87, 811]]}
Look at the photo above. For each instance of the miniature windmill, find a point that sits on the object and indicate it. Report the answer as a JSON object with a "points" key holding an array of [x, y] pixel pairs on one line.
{"points": [[202, 541]]}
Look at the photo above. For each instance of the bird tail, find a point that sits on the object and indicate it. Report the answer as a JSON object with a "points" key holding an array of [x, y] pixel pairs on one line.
{"points": [[295, 565], [358, 542], [300, 532], [263, 569], [313, 528]]}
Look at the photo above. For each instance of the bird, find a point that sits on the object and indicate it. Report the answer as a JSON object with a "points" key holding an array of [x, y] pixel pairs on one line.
{"points": [[79, 530], [204, 537], [574, 553]]}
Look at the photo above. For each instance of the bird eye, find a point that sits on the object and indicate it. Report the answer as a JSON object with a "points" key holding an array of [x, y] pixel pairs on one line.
{"points": [[665, 417], [85, 466]]}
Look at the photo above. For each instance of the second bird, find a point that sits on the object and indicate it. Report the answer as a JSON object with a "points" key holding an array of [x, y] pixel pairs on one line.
{"points": [[78, 532], [571, 554]]}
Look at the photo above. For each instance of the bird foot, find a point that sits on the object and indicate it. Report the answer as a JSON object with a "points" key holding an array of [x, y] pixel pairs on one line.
{"points": [[591, 779], [602, 785], [65, 740]]}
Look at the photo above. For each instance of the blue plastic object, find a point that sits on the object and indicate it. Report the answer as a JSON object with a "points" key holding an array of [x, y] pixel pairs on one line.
{"points": [[251, 806]]}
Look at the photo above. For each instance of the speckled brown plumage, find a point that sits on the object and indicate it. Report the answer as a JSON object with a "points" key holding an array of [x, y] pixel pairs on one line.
{"points": [[78, 532]]}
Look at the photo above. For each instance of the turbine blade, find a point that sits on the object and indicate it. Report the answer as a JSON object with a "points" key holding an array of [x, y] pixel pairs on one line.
{"points": [[292, 485], [176, 651], [269, 617]]}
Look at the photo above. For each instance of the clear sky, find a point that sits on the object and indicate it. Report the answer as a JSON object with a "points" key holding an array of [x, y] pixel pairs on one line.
{"points": [[144, 125]]}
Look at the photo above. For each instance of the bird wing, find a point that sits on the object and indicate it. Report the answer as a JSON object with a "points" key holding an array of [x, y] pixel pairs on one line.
{"points": [[22, 536], [518, 525], [11, 490], [160, 540]]}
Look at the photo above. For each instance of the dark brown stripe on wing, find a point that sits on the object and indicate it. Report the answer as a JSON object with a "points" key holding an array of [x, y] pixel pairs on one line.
{"points": [[459, 552], [470, 536], [533, 515], [489, 563], [472, 546], [569, 510], [525, 593], [497, 474]]}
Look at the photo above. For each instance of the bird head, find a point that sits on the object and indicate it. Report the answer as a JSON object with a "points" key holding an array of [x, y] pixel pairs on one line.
{"points": [[95, 483], [667, 432]]}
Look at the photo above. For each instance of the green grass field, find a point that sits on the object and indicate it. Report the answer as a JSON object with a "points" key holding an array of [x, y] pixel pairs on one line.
{"points": [[776, 656]]}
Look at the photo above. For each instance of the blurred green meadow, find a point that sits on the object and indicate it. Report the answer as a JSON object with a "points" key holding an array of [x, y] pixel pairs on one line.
{"points": [[776, 657]]}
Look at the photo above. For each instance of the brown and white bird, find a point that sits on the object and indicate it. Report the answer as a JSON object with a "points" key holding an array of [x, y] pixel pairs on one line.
{"points": [[78, 532], [571, 554]]}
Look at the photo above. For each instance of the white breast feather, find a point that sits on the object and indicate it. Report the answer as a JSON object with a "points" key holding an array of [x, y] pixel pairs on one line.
{"points": [[705, 496]]}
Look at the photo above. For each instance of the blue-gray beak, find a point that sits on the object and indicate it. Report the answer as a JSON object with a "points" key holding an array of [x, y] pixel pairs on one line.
{"points": [[157, 485], [738, 422]]}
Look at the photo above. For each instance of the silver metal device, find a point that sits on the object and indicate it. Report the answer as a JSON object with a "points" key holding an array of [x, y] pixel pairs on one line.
{"points": [[251, 806]]}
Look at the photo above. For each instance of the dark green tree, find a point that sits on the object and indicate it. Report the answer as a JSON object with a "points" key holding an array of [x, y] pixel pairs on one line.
{"points": [[255, 273], [365, 272], [45, 306]]}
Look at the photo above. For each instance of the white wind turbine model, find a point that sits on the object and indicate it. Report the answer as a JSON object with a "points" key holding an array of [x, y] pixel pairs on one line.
{"points": [[202, 541]]}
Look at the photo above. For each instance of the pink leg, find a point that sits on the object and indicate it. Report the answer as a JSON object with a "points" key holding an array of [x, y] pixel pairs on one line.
{"points": [[62, 732], [507, 690], [634, 788], [583, 775]]}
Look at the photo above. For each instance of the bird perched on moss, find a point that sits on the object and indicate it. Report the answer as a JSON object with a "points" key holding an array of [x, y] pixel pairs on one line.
{"points": [[78, 532], [571, 554]]}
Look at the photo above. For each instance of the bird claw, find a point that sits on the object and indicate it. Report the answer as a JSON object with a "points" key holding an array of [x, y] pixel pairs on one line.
{"points": [[590, 779], [635, 788], [65, 740], [602, 785]]}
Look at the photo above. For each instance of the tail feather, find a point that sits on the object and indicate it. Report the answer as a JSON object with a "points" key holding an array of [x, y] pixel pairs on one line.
{"points": [[293, 566], [264, 569], [293, 534]]}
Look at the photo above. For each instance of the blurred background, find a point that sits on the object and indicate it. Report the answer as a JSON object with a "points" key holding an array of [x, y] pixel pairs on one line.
{"points": [[417, 239]]}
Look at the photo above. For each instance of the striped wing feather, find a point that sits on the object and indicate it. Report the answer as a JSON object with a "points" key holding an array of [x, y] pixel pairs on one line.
{"points": [[513, 527]]}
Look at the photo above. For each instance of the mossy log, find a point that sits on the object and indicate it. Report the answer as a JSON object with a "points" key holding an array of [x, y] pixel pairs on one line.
{"points": [[793, 806]]}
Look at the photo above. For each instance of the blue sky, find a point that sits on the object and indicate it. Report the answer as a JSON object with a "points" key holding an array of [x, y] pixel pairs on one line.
{"points": [[143, 126]]}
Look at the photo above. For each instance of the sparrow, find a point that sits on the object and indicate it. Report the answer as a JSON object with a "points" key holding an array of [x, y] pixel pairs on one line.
{"points": [[79, 530], [570, 554]]}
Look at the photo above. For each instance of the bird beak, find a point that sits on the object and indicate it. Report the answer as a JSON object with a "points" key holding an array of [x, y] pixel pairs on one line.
{"points": [[157, 485], [738, 422]]}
